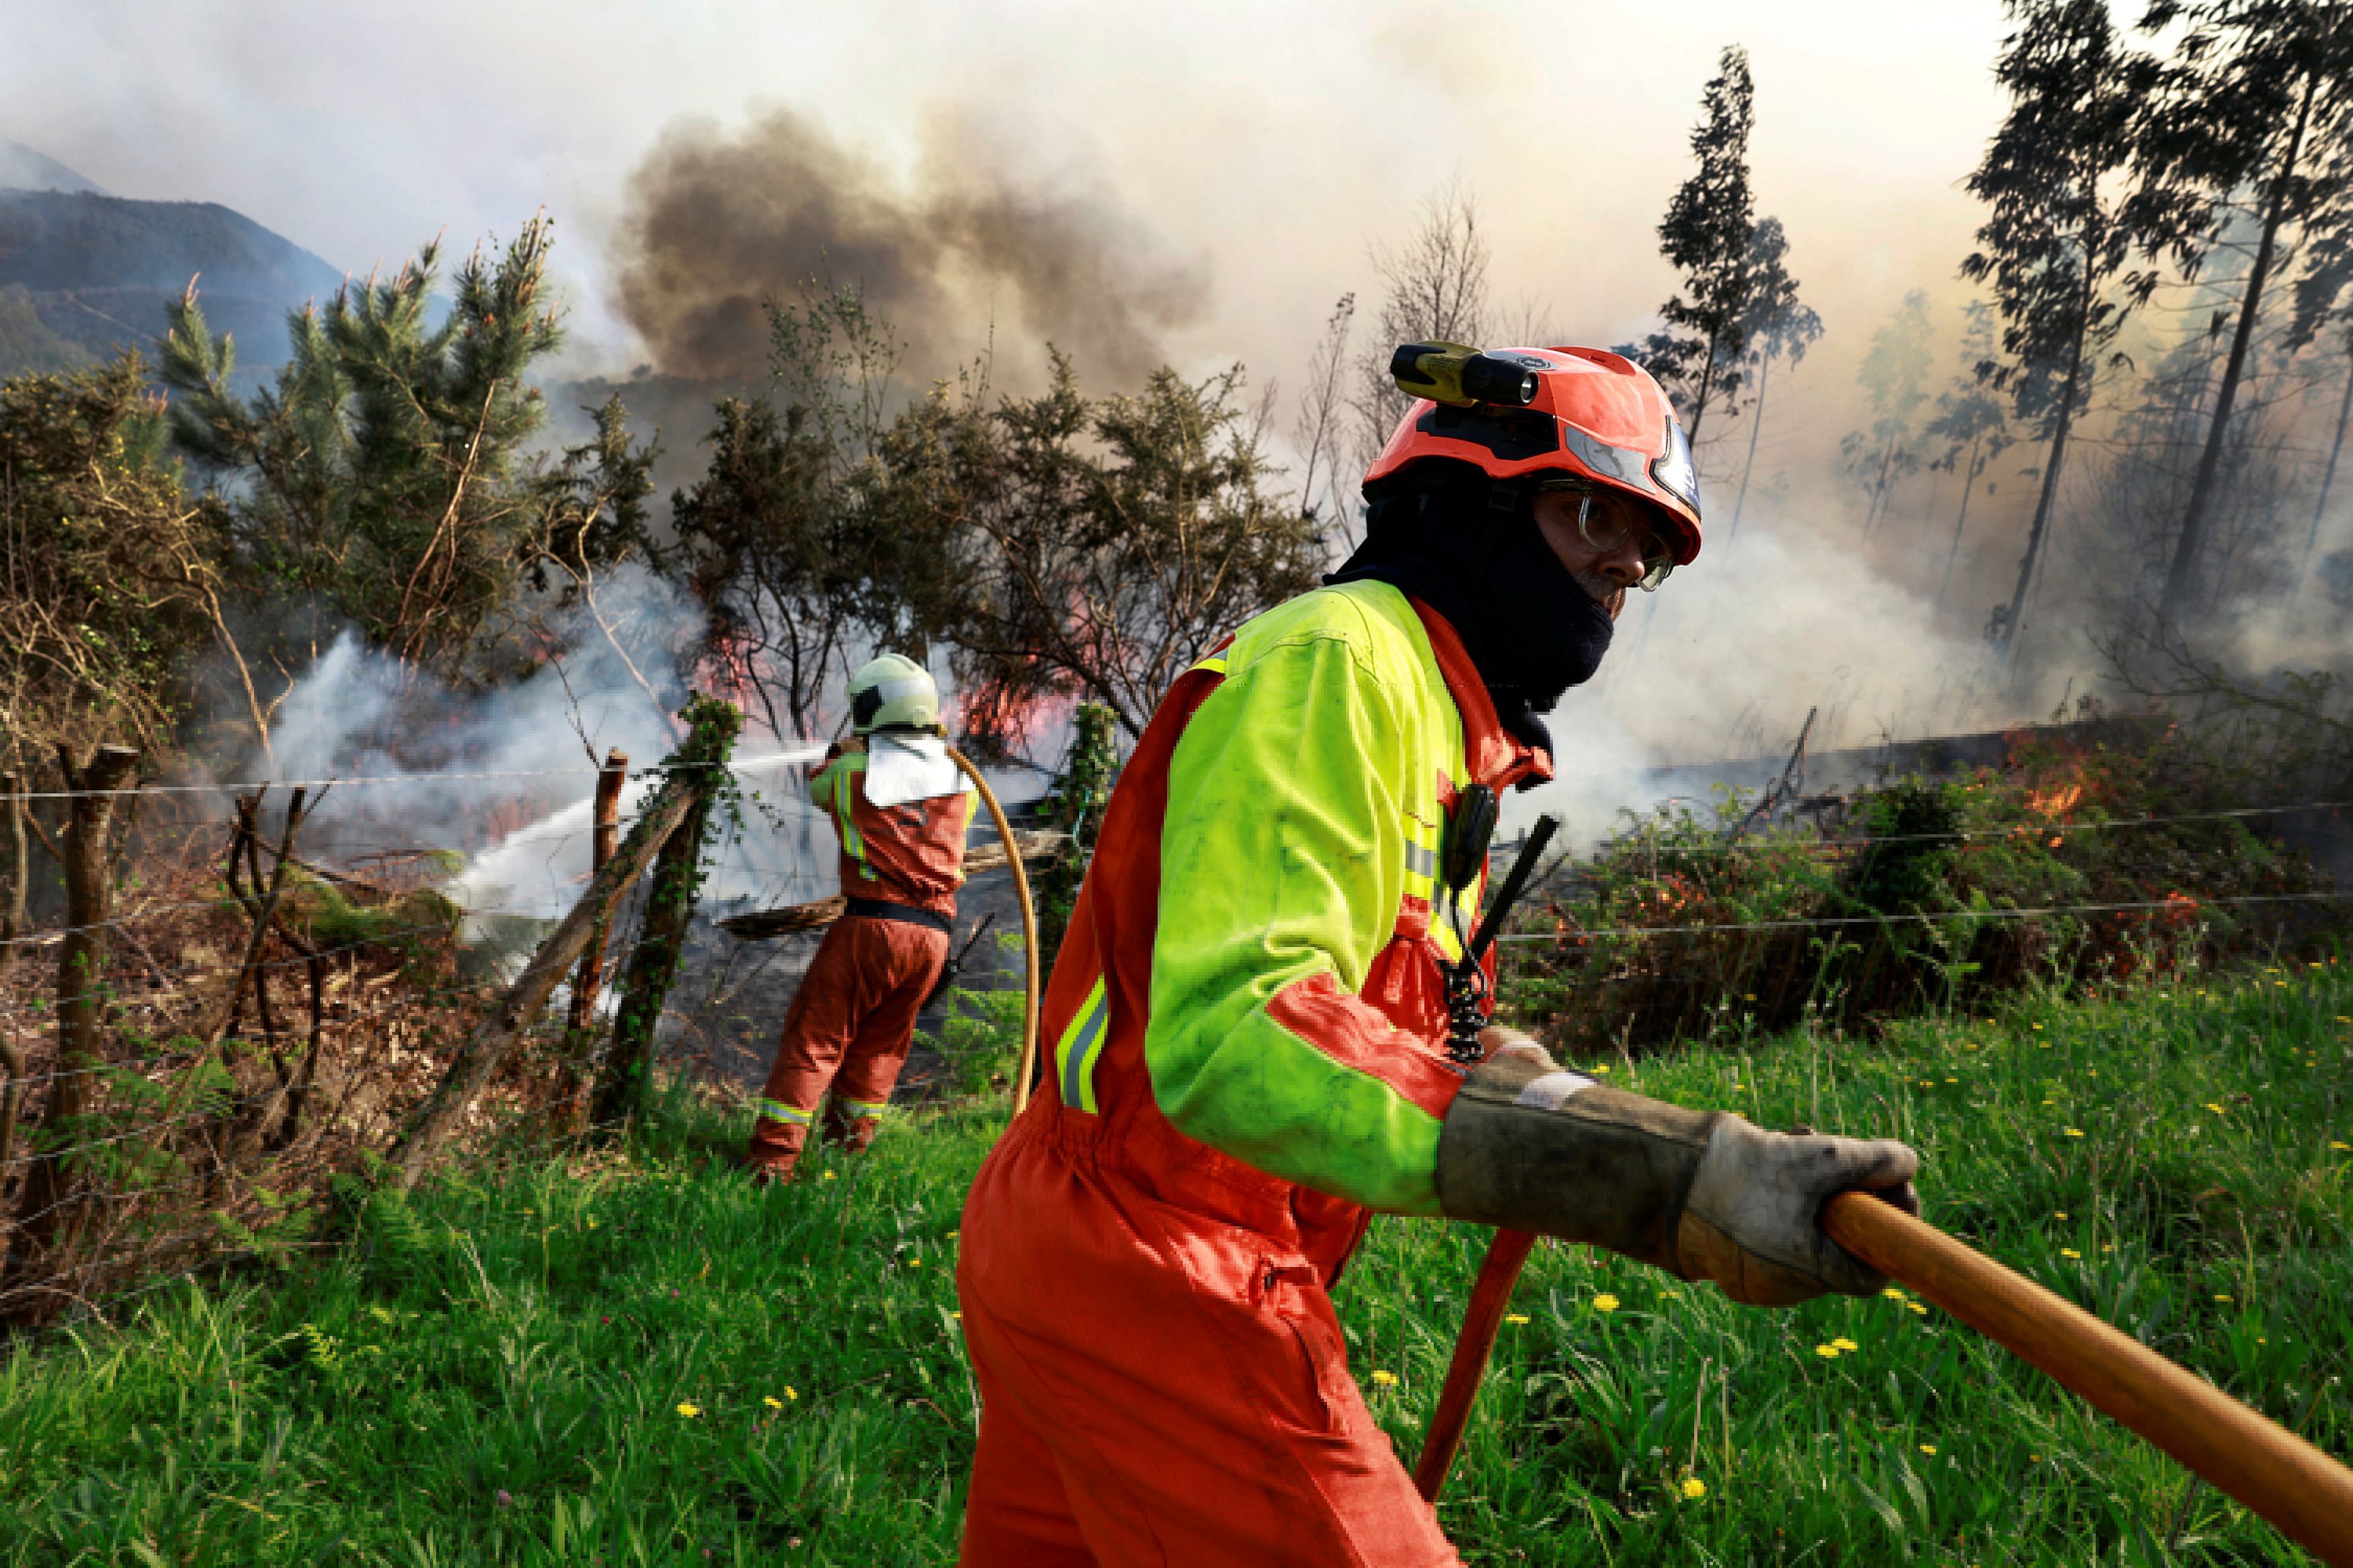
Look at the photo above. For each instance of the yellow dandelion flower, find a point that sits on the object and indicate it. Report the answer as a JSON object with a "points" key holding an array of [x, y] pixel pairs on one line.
{"points": [[2072, 1131], [2069, 1252], [1893, 1294], [1515, 1316], [2222, 1296], [914, 1263], [1929, 1449], [1383, 1378], [1693, 1488], [2214, 1108], [1603, 1070], [1916, 1307], [772, 1402], [791, 1393], [2059, 1214], [1846, 1344], [2033, 1459], [2340, 1145], [824, 1176], [2035, 1025], [689, 1410], [1827, 1353], [1605, 1302]]}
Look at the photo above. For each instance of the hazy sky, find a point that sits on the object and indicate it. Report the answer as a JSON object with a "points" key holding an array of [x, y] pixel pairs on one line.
{"points": [[1262, 144], [1257, 148]]}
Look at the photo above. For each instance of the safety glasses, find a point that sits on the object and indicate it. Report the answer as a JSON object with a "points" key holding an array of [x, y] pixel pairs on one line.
{"points": [[1609, 525]]}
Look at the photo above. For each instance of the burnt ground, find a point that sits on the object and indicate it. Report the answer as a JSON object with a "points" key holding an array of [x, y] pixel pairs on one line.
{"points": [[728, 1006]]}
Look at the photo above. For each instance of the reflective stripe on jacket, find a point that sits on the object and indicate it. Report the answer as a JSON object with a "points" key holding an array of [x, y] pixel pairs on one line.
{"points": [[1254, 969]]}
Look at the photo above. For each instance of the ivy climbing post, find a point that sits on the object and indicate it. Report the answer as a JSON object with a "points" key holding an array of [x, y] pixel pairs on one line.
{"points": [[699, 765]]}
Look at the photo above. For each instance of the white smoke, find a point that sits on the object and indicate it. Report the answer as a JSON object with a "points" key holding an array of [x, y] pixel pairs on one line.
{"points": [[1726, 660]]}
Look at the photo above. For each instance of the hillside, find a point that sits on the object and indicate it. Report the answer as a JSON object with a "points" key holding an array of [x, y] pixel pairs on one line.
{"points": [[83, 276]]}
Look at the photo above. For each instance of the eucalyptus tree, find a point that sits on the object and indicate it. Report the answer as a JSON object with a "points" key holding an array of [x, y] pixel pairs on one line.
{"points": [[1894, 381], [2055, 246], [2258, 96], [1777, 325], [1969, 416], [1709, 235]]}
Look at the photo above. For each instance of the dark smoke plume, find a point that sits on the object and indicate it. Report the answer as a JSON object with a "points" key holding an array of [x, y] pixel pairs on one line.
{"points": [[714, 223]]}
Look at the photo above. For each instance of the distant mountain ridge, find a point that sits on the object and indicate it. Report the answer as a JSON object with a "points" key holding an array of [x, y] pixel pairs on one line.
{"points": [[84, 275], [23, 169]]}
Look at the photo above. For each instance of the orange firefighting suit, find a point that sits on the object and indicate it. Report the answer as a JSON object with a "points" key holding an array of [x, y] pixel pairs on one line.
{"points": [[1247, 1023], [854, 1016]]}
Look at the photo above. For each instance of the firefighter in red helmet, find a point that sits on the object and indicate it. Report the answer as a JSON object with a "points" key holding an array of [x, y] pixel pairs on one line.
{"points": [[1250, 1017]]}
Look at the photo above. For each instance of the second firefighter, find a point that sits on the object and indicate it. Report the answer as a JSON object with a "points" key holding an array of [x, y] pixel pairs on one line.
{"points": [[901, 806]]}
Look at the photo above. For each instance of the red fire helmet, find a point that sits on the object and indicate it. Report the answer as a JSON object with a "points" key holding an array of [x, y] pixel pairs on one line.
{"points": [[1596, 417]]}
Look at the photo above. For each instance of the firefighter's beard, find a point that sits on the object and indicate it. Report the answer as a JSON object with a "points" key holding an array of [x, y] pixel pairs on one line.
{"points": [[1603, 590]]}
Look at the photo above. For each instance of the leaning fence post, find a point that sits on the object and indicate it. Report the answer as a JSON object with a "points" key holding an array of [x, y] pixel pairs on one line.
{"points": [[628, 1070], [492, 1044], [79, 1005], [572, 1096], [12, 868]]}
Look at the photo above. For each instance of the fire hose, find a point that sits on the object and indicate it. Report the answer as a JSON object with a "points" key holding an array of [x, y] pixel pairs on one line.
{"points": [[1028, 1061], [2303, 1492]]}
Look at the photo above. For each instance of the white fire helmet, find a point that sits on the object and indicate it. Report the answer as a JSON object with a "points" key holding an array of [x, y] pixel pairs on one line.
{"points": [[892, 692]]}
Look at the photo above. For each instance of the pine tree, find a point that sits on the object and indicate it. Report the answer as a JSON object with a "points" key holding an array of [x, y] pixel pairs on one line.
{"points": [[383, 481], [1777, 325], [2055, 244], [2256, 97]]}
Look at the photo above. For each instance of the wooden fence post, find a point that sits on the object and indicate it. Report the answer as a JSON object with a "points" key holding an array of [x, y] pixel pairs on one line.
{"points": [[80, 1006], [13, 869], [628, 1069], [693, 773], [571, 1111]]}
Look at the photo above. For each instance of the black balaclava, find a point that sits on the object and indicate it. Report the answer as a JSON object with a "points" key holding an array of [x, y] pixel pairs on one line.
{"points": [[1470, 551]]}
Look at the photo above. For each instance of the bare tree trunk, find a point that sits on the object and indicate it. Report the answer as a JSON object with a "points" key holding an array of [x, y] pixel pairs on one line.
{"points": [[2202, 493], [2327, 477], [1756, 423], [571, 1108], [1969, 486], [2009, 642], [1879, 489], [49, 1192]]}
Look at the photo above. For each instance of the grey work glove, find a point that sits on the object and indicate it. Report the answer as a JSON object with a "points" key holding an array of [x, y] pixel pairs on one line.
{"points": [[1702, 1194]]}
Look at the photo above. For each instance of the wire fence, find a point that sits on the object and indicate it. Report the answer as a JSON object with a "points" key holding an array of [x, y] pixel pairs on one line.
{"points": [[157, 1114], [190, 1107]]}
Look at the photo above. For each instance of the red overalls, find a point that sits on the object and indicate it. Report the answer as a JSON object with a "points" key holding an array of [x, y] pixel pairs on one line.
{"points": [[852, 1020], [1162, 1375]]}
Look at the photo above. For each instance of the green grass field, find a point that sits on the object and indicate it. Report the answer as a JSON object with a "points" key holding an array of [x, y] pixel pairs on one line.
{"points": [[645, 1360]]}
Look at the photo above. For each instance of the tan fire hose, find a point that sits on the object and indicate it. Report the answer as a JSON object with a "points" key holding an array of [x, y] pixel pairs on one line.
{"points": [[1029, 1059], [2306, 1495]]}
